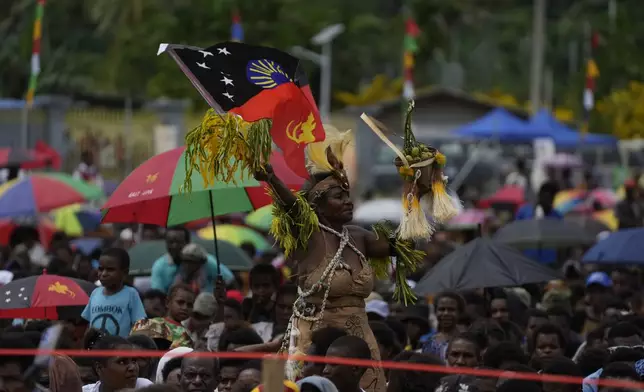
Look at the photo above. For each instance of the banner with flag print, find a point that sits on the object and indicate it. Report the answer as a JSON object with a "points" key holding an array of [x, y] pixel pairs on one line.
{"points": [[256, 82]]}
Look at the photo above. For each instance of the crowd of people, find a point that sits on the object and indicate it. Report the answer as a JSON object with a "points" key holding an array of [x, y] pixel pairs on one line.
{"points": [[587, 325], [324, 294]]}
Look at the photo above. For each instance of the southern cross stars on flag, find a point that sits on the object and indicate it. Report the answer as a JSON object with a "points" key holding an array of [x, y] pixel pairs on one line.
{"points": [[256, 82]]}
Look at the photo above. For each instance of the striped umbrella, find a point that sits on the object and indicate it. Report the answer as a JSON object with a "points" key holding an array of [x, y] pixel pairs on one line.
{"points": [[43, 192], [578, 200], [151, 193]]}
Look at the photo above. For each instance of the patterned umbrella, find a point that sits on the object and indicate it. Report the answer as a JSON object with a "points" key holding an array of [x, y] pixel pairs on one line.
{"points": [[236, 235], [43, 192], [47, 296], [151, 193]]}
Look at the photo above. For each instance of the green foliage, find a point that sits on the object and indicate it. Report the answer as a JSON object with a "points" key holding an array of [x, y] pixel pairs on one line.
{"points": [[109, 46]]}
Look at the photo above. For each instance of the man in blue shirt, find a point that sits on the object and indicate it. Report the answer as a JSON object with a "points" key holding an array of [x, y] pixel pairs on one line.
{"points": [[167, 267], [543, 209]]}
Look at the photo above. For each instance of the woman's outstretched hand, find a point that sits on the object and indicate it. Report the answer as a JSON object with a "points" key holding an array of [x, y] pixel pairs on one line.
{"points": [[263, 175]]}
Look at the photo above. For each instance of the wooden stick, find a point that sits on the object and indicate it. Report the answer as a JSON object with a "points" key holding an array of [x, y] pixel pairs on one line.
{"points": [[273, 374], [369, 121]]}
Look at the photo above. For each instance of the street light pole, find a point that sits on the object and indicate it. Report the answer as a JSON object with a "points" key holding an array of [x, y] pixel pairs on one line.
{"points": [[536, 69], [325, 82], [324, 60]]}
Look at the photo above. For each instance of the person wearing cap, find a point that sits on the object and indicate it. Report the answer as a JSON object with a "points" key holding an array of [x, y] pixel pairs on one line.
{"points": [[629, 212], [200, 268], [204, 313], [377, 310], [598, 284]]}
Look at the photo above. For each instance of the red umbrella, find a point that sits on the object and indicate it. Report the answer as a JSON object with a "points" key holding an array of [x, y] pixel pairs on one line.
{"points": [[46, 229], [506, 195], [26, 159]]}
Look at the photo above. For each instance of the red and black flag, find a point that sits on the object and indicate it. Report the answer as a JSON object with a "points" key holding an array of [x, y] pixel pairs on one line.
{"points": [[256, 82]]}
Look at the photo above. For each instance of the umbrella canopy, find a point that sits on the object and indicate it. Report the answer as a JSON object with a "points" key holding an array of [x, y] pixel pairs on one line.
{"points": [[76, 219], [86, 245], [467, 220], [26, 159], [144, 254], [45, 291], [506, 195], [621, 247], [608, 218], [578, 200], [151, 193], [590, 224], [374, 211], [236, 235], [483, 263], [501, 125], [43, 192], [261, 218], [46, 229], [545, 233]]}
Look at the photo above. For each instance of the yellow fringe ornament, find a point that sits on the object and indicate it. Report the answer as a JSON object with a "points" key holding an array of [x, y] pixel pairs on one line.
{"points": [[222, 145], [443, 206], [293, 228], [414, 223], [407, 260]]}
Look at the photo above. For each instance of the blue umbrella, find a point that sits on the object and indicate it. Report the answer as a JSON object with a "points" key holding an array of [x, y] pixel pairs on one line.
{"points": [[621, 247], [87, 245]]}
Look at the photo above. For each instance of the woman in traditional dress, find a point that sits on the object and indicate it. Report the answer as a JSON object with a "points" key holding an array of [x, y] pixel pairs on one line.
{"points": [[333, 273]]}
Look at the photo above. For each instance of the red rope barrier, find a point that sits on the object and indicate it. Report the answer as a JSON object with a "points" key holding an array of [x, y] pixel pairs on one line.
{"points": [[336, 361]]}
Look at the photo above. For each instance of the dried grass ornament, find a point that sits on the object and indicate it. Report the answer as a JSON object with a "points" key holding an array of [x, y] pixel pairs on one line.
{"points": [[422, 167], [222, 145]]}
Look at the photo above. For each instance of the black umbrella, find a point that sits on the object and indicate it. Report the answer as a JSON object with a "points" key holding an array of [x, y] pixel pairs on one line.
{"points": [[483, 263], [591, 225], [543, 233]]}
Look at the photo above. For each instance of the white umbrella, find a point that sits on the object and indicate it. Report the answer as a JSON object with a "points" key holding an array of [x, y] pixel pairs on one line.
{"points": [[374, 211]]}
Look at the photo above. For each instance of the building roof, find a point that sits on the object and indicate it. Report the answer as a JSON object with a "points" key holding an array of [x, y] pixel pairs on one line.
{"points": [[426, 96]]}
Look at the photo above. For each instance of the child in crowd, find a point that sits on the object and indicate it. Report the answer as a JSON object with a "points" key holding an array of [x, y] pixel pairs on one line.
{"points": [[168, 332], [114, 307], [264, 280]]}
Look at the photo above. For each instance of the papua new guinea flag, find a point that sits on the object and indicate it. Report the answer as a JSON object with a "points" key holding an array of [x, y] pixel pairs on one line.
{"points": [[256, 83]]}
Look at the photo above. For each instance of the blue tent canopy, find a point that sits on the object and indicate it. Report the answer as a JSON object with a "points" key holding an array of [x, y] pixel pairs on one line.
{"points": [[564, 136], [501, 125]]}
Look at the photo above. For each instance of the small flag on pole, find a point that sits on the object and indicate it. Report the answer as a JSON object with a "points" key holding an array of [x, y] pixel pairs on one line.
{"points": [[236, 30], [411, 32], [35, 53], [592, 73]]}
